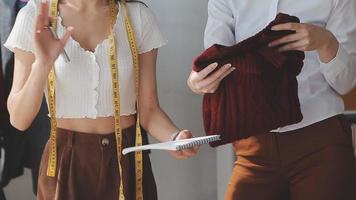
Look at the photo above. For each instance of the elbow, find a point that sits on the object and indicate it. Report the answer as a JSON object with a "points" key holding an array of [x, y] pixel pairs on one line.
{"points": [[342, 90], [145, 118], [19, 119], [19, 124], [147, 113], [342, 85], [350, 87]]}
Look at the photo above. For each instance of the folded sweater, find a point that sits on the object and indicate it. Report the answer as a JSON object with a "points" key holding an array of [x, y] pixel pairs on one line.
{"points": [[261, 94]]}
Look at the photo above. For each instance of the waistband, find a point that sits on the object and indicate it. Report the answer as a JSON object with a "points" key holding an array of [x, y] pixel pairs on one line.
{"points": [[75, 138], [322, 132]]}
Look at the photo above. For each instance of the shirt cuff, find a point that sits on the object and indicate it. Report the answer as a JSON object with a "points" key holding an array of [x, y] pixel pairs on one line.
{"points": [[336, 65]]}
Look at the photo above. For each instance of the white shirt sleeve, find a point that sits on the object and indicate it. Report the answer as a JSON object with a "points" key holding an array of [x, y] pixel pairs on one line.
{"points": [[149, 35], [220, 27], [21, 35], [340, 73]]}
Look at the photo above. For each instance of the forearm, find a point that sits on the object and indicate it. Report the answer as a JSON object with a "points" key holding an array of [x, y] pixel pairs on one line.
{"points": [[25, 104], [338, 65], [328, 51], [340, 72], [158, 124]]}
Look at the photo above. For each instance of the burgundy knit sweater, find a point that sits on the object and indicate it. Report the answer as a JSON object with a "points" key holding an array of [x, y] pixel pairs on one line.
{"points": [[261, 94]]}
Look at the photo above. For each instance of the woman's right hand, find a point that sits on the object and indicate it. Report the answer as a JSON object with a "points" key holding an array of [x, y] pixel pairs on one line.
{"points": [[47, 47], [203, 82]]}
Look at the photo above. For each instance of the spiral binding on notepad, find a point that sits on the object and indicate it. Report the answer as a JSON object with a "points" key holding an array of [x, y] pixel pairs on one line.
{"points": [[198, 142]]}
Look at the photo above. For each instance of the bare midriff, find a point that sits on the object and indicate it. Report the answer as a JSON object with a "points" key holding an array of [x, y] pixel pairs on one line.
{"points": [[100, 125]]}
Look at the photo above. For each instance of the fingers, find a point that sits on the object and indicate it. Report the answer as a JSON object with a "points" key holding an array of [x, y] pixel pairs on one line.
{"points": [[179, 155], [214, 85], [190, 152], [287, 39], [39, 23], [286, 26], [305, 39], [292, 41], [215, 76], [44, 12], [298, 45], [206, 71], [199, 81], [211, 88], [184, 134], [186, 153], [200, 86], [42, 17]]}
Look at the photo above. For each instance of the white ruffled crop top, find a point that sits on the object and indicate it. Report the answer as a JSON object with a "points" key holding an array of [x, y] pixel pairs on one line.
{"points": [[83, 86]]}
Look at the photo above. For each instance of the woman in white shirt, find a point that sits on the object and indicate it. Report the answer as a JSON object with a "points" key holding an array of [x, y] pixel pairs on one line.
{"points": [[312, 159], [82, 159]]}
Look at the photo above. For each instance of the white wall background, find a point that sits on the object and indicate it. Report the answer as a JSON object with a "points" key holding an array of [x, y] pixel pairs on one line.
{"points": [[182, 22], [205, 176]]}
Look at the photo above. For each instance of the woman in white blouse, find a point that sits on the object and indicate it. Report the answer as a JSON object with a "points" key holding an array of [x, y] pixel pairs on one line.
{"points": [[86, 157], [312, 159]]}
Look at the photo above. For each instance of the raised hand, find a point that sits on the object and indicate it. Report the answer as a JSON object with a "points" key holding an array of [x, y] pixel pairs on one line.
{"points": [[47, 47]]}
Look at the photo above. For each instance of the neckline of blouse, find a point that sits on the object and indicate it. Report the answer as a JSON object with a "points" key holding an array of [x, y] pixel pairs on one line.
{"points": [[104, 42]]}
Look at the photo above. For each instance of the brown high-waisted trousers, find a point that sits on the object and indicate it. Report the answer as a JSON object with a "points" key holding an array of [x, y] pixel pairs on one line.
{"points": [[312, 163], [87, 169]]}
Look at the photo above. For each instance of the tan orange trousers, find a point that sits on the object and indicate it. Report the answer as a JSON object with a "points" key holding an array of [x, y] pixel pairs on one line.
{"points": [[312, 163], [87, 169]]}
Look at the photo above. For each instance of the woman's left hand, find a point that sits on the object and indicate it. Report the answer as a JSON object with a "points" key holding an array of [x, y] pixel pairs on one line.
{"points": [[187, 153], [307, 37]]}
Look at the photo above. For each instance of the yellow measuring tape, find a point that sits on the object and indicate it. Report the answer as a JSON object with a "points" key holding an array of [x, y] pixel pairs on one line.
{"points": [[52, 161], [51, 169], [135, 61]]}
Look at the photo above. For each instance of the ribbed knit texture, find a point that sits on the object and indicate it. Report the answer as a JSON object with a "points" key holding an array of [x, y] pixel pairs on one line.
{"points": [[261, 94], [83, 86]]}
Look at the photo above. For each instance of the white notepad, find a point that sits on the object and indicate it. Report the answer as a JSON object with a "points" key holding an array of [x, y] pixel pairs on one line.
{"points": [[174, 145]]}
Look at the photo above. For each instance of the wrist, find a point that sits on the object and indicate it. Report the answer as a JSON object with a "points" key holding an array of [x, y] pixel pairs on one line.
{"points": [[329, 49], [43, 63], [41, 67]]}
